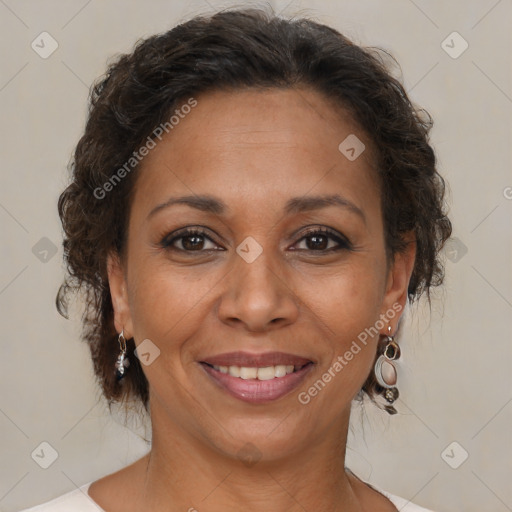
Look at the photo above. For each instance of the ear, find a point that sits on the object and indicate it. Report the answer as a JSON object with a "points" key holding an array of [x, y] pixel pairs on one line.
{"points": [[399, 275], [119, 295]]}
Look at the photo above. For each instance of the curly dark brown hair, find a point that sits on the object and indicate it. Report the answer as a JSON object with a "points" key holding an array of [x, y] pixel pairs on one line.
{"points": [[236, 49]]}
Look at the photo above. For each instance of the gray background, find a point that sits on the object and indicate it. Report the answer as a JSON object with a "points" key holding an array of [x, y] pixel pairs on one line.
{"points": [[454, 378]]}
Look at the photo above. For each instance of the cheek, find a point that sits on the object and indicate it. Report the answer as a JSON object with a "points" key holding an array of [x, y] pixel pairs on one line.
{"points": [[167, 304], [348, 299], [349, 348], [168, 308], [345, 307]]}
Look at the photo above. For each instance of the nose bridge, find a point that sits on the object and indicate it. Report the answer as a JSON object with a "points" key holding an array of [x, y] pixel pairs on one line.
{"points": [[256, 294]]}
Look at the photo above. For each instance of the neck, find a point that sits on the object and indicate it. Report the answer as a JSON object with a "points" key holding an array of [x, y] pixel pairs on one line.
{"points": [[182, 472]]}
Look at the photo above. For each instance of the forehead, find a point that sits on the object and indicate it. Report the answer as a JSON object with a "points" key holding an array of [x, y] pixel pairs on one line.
{"points": [[259, 145], [252, 116]]}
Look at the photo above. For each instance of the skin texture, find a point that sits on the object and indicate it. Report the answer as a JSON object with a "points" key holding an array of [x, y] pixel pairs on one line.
{"points": [[252, 150]]}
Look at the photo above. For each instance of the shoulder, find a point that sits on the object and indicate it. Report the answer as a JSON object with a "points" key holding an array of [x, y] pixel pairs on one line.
{"points": [[405, 505], [402, 504], [77, 501]]}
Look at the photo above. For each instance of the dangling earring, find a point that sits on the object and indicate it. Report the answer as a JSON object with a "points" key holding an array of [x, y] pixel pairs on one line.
{"points": [[385, 372], [122, 361]]}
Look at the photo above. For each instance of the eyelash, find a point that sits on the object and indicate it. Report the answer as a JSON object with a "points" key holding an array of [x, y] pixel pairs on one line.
{"points": [[343, 243]]}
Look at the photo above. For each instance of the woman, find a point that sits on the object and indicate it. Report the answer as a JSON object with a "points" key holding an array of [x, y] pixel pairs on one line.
{"points": [[253, 203]]}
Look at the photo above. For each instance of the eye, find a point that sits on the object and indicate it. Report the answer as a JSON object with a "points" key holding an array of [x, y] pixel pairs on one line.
{"points": [[318, 240], [190, 240], [322, 240]]}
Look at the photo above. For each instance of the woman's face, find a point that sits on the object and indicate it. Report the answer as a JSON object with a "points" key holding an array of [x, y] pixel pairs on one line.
{"points": [[286, 256]]}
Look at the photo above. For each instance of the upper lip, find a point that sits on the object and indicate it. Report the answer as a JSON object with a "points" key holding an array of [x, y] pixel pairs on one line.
{"points": [[261, 360]]}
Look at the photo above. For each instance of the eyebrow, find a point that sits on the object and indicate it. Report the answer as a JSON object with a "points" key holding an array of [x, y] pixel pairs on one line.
{"points": [[308, 203], [294, 205]]}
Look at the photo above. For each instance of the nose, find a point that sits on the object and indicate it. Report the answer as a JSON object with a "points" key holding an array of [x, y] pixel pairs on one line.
{"points": [[257, 296]]}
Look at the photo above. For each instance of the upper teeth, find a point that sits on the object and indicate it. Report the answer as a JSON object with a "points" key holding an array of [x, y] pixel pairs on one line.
{"points": [[266, 373]]}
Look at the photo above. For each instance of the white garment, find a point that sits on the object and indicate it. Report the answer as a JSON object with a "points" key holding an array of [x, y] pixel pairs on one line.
{"points": [[80, 501]]}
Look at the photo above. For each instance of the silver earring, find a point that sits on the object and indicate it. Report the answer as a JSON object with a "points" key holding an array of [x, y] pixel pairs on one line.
{"points": [[385, 372], [122, 360]]}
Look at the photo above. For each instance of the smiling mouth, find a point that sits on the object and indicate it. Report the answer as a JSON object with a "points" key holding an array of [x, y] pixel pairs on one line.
{"points": [[261, 373], [257, 384]]}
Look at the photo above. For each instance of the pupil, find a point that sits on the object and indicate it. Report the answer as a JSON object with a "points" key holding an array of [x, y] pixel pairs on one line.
{"points": [[193, 242], [317, 242]]}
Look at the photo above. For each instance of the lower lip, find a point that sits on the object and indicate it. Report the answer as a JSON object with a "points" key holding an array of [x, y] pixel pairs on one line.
{"points": [[258, 391]]}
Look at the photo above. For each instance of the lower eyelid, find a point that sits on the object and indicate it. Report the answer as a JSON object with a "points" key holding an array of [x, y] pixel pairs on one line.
{"points": [[338, 246]]}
